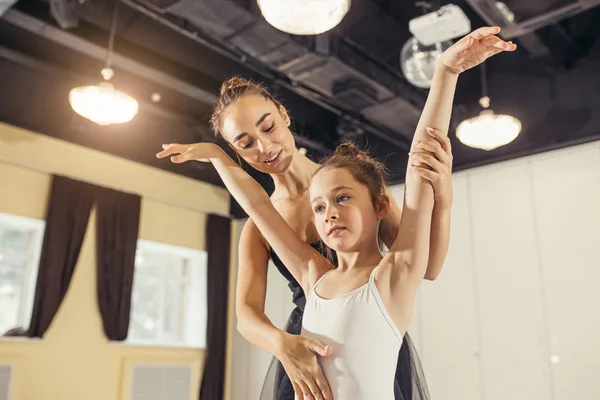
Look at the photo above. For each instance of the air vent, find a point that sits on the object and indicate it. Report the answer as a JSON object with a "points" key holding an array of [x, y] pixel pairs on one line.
{"points": [[161, 382], [387, 114], [5, 380], [354, 93]]}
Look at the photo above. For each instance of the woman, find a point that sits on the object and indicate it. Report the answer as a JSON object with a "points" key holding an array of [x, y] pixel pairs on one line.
{"points": [[257, 127]]}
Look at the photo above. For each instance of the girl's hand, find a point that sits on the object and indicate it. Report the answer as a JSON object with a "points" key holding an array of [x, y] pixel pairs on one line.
{"points": [[432, 160], [474, 49]]}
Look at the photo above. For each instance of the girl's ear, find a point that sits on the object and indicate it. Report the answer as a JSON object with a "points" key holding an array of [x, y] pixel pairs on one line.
{"points": [[382, 207]]}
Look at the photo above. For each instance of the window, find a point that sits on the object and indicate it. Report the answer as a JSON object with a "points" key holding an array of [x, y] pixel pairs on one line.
{"points": [[20, 248], [168, 305]]}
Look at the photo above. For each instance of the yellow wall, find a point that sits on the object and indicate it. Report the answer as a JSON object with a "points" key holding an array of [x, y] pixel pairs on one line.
{"points": [[74, 361]]}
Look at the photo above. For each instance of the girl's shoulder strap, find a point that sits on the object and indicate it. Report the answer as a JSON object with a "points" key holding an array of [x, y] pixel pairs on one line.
{"points": [[320, 279], [372, 275]]}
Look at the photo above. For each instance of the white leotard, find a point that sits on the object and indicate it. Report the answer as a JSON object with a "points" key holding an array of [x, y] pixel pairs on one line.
{"points": [[364, 339]]}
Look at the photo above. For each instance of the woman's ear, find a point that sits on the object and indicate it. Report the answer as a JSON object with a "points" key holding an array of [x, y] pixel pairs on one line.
{"points": [[284, 114]]}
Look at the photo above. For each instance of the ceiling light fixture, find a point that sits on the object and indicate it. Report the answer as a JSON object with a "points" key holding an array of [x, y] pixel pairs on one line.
{"points": [[304, 17], [102, 103], [488, 130]]}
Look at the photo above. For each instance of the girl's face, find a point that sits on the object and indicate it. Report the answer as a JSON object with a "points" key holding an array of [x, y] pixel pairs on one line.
{"points": [[259, 132], [344, 213]]}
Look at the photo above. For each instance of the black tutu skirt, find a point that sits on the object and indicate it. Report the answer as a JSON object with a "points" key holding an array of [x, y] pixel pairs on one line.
{"points": [[409, 384]]}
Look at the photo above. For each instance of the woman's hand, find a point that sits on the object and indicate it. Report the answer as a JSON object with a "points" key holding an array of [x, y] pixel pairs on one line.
{"points": [[474, 49], [432, 160], [298, 355], [181, 153]]}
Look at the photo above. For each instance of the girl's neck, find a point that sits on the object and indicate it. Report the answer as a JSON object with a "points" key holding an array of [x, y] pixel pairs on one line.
{"points": [[366, 257], [294, 181]]}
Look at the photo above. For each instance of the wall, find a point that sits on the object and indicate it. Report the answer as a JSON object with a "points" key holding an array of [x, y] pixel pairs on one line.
{"points": [[74, 361], [514, 312]]}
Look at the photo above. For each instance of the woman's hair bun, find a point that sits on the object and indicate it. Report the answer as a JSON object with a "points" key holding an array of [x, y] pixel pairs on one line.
{"points": [[236, 83]]}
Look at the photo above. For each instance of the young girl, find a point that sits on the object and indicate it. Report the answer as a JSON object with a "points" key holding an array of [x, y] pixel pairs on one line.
{"points": [[347, 214]]}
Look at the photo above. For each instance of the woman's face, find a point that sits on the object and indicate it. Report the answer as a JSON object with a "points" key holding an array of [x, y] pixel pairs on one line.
{"points": [[259, 132]]}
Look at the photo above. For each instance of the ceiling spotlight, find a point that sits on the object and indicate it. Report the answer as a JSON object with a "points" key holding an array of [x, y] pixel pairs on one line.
{"points": [[156, 97]]}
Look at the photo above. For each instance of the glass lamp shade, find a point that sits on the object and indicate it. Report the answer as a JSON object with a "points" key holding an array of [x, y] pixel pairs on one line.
{"points": [[304, 17], [103, 104], [488, 130]]}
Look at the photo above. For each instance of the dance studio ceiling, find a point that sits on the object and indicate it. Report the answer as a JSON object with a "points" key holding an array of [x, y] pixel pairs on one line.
{"points": [[346, 83]]}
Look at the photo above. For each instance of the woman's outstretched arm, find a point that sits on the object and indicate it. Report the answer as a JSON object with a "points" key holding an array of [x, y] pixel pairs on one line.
{"points": [[304, 263]]}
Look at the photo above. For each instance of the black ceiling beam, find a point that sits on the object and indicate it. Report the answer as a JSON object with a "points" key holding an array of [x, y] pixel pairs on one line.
{"points": [[510, 30], [92, 50], [487, 10]]}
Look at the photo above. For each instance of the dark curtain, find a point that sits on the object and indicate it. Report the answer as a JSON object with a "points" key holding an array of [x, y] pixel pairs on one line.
{"points": [[67, 217], [117, 225], [218, 238]]}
